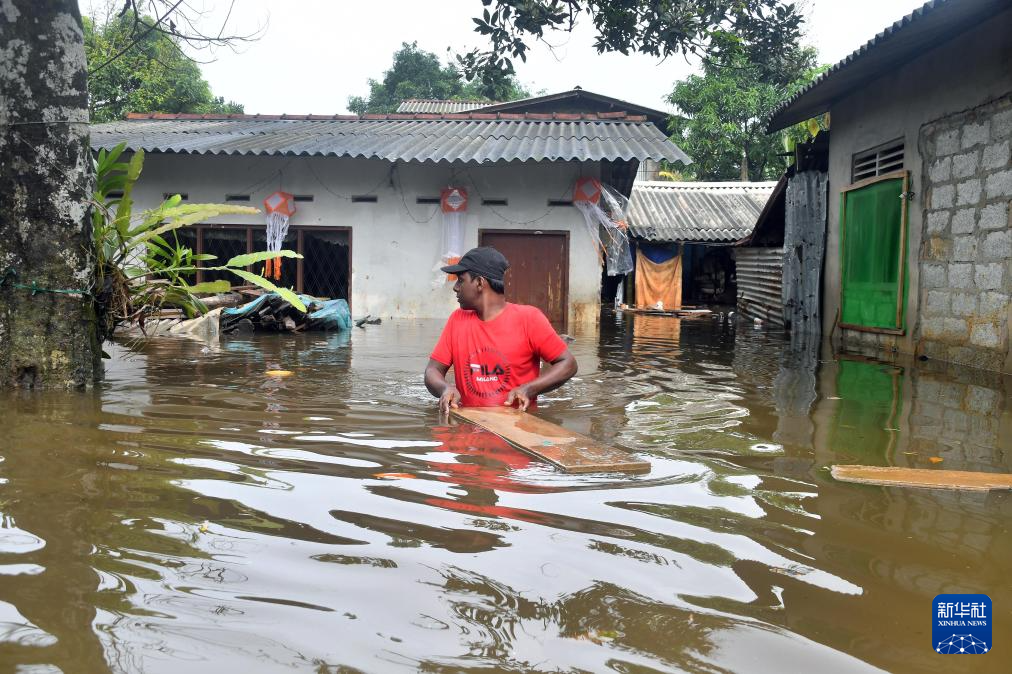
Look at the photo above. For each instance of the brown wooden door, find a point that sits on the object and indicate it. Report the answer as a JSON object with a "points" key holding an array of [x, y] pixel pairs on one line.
{"points": [[539, 269]]}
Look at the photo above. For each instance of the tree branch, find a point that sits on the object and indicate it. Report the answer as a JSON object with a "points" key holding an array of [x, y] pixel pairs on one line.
{"points": [[136, 39]]}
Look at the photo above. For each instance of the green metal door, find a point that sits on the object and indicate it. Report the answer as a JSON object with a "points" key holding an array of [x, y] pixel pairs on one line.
{"points": [[873, 233]]}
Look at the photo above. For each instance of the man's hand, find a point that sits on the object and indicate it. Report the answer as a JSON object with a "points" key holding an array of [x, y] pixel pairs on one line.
{"points": [[521, 395], [435, 381], [449, 399]]}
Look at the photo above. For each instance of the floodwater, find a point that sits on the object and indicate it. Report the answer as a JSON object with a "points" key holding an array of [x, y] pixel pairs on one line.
{"points": [[196, 515]]}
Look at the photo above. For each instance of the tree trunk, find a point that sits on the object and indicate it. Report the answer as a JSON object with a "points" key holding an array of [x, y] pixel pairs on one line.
{"points": [[48, 334]]}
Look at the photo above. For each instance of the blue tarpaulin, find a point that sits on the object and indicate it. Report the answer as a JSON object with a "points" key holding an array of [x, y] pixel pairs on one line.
{"points": [[658, 253], [323, 314]]}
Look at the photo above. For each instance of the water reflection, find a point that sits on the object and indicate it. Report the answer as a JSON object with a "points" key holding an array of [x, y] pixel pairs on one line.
{"points": [[197, 512]]}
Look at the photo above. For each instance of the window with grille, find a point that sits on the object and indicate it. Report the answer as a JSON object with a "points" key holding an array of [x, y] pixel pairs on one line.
{"points": [[323, 271], [878, 161], [224, 244]]}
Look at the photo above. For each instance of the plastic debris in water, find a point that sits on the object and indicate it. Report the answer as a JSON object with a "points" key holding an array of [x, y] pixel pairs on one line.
{"points": [[935, 459], [279, 373], [205, 527], [395, 476]]}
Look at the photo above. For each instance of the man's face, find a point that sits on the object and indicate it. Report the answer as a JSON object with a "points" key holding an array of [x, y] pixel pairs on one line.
{"points": [[467, 291]]}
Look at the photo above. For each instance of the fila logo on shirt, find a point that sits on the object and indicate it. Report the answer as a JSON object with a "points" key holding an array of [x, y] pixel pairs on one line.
{"points": [[486, 373], [489, 373]]}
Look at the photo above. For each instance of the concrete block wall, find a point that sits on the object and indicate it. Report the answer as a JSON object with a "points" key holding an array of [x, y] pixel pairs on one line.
{"points": [[965, 257]]}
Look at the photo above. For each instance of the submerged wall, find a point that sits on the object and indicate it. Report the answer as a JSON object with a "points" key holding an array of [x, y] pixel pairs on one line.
{"points": [[395, 241]]}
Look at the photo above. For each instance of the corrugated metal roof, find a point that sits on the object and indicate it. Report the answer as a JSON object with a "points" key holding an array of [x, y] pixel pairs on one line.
{"points": [[468, 137], [670, 211], [439, 106], [925, 28]]}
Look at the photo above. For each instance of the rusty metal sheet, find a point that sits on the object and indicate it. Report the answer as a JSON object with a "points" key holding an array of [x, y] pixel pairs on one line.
{"points": [[758, 273], [804, 249]]}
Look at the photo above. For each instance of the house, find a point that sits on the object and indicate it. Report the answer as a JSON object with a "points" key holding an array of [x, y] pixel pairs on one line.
{"points": [[694, 224], [369, 221], [919, 243]]}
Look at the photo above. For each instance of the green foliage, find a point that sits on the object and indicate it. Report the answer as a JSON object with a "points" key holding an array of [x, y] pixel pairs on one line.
{"points": [[672, 175], [804, 132], [140, 264], [723, 113], [416, 73], [153, 75], [760, 29]]}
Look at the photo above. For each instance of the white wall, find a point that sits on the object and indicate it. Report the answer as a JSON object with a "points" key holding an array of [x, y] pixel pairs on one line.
{"points": [[395, 242], [967, 71]]}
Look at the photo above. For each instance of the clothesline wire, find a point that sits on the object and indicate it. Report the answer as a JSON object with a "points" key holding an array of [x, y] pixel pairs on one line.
{"points": [[399, 186], [502, 217], [346, 197]]}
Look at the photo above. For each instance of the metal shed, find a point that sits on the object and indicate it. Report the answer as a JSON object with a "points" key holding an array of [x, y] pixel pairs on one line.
{"points": [[704, 219]]}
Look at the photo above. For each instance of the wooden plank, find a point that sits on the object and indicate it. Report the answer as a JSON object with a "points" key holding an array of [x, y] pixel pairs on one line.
{"points": [[572, 452], [922, 478], [680, 313]]}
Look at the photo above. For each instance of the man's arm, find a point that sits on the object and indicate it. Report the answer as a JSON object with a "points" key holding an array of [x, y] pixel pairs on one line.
{"points": [[562, 370], [435, 381]]}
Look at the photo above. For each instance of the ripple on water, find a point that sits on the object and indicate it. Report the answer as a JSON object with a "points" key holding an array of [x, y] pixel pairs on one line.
{"points": [[261, 516]]}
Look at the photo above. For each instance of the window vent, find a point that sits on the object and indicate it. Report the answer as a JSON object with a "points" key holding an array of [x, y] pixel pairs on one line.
{"points": [[560, 202], [182, 195], [363, 199], [878, 160], [236, 197], [115, 194], [303, 197], [427, 200], [493, 202]]}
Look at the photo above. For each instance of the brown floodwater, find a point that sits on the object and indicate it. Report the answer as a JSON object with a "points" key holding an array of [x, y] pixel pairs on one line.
{"points": [[196, 515]]}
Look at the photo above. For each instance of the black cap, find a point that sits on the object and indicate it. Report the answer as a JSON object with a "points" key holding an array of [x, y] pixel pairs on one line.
{"points": [[485, 261]]}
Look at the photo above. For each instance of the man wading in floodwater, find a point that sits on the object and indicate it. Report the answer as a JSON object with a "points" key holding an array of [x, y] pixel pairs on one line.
{"points": [[495, 347]]}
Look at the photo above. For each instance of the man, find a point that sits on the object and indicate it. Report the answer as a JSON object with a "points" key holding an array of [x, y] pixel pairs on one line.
{"points": [[495, 347]]}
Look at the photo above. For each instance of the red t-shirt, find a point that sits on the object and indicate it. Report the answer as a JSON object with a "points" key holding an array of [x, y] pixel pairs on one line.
{"points": [[491, 358]]}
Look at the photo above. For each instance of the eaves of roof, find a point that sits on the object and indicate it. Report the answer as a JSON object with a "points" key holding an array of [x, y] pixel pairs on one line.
{"points": [[923, 29]]}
